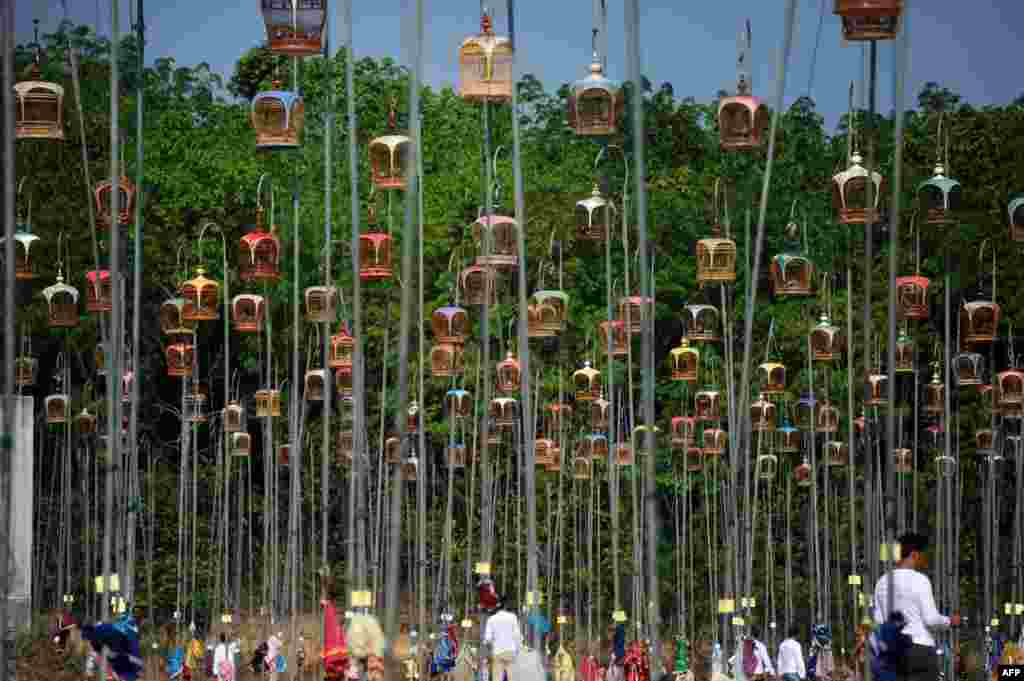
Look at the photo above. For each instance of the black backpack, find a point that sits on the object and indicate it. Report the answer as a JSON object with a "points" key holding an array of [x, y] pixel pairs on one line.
{"points": [[258, 658]]}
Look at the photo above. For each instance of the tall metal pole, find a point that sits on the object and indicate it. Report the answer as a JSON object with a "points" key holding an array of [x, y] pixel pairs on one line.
{"points": [[421, 479], [870, 545], [325, 469]]}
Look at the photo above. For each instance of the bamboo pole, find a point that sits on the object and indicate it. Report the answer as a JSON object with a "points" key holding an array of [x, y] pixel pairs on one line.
{"points": [[7, 45]]}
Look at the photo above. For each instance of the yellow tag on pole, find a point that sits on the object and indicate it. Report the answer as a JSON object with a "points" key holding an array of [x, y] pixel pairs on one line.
{"points": [[853, 580], [619, 616], [1007, 608], [883, 552], [738, 621], [362, 599], [1018, 609], [467, 623], [562, 619], [994, 622], [726, 606], [483, 569], [862, 600]]}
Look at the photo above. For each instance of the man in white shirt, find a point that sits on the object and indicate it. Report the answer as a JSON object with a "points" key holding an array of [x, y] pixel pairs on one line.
{"points": [[913, 597], [791, 657], [223, 662], [502, 634]]}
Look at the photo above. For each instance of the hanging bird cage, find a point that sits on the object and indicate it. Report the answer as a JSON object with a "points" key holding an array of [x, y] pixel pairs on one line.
{"points": [[241, 444], [836, 454], [634, 311], [743, 123], [504, 411], [38, 105], [343, 382], [61, 304], [593, 446], [1016, 212], [268, 403], [940, 198], [393, 450], [172, 319], [945, 466], [716, 442], [554, 464], [389, 158], [479, 285], [446, 359], [906, 354], [968, 368], [683, 431], [99, 291], [912, 297], [234, 417], [708, 405], [640, 437], [934, 395], [805, 411], [1010, 387], [792, 275], [599, 409], [259, 253], [458, 403], [342, 346], [277, 116], [450, 324], [581, 468], [619, 337], [595, 103], [413, 417], [762, 415], [202, 297], [850, 194], [507, 374], [624, 454], [316, 384], [716, 261], [375, 257], [127, 380], [766, 467], [125, 203], [803, 475], [26, 368], [180, 359], [685, 362], [693, 458], [877, 384], [595, 217], [903, 460], [85, 422], [346, 446], [540, 319], [196, 401], [702, 323], [772, 376], [456, 456], [557, 417], [542, 450], [984, 441], [24, 265], [248, 311], [294, 27], [321, 304], [284, 454], [587, 383], [485, 66], [979, 321], [496, 238], [57, 408], [869, 19], [826, 418], [787, 439], [548, 301], [826, 342]]}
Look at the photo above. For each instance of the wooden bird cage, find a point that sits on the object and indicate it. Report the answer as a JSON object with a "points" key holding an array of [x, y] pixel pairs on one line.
{"points": [[587, 383], [85, 422], [294, 27], [507, 374], [393, 450], [595, 217], [826, 342], [826, 418], [25, 370], [903, 460], [716, 261], [321, 304], [906, 355], [172, 320], [683, 432], [945, 466], [202, 298], [581, 468], [57, 408], [787, 439], [595, 103], [837, 454], [24, 265], [599, 409], [340, 350], [979, 321], [180, 358], [99, 291], [763, 415], [968, 368], [504, 411], [316, 384], [446, 359], [346, 447], [912, 297], [450, 324], [61, 304], [772, 377], [708, 405], [389, 159], [195, 404], [268, 403], [456, 456], [284, 455], [934, 396], [248, 310], [554, 464], [624, 455], [1009, 387], [542, 450], [940, 199], [984, 441], [792, 275], [694, 459], [554, 307], [805, 411], [716, 442], [766, 467], [277, 116], [343, 382], [850, 198], [375, 257], [594, 446], [259, 254], [557, 418], [869, 19], [685, 362], [1016, 213], [479, 285], [803, 475], [635, 311], [38, 109], [742, 123], [619, 337], [458, 403], [877, 385], [241, 444], [702, 323], [541, 318], [496, 238], [125, 203], [485, 66], [234, 417]]}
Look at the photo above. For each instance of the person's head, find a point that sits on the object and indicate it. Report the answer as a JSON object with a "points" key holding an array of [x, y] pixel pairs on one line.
{"points": [[793, 631], [912, 551], [223, 637], [755, 632]]}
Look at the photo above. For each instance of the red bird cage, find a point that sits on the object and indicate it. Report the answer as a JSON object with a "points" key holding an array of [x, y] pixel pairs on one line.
{"points": [[870, 19], [248, 311], [507, 374], [694, 459], [912, 296], [342, 346], [803, 475], [375, 257], [259, 254], [180, 359], [684, 432], [343, 382], [294, 27], [125, 203], [99, 291]]}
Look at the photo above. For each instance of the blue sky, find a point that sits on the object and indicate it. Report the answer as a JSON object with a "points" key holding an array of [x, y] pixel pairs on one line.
{"points": [[970, 46]]}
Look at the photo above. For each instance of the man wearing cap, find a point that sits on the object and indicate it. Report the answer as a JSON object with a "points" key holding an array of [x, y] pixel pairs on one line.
{"points": [[502, 634]]}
